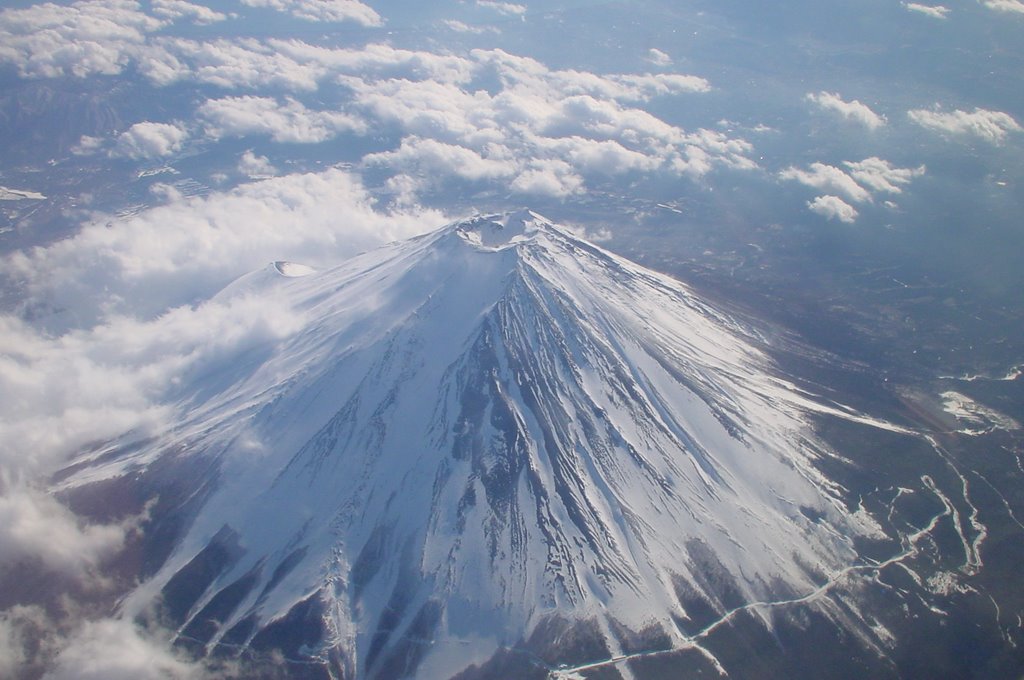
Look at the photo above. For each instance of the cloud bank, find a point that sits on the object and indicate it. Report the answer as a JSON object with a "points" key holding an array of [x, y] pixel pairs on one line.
{"points": [[89, 37], [537, 130], [185, 251], [543, 130]]}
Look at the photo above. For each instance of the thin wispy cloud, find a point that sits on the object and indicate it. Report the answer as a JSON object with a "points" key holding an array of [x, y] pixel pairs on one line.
{"points": [[658, 58], [933, 11], [181, 9], [506, 8], [323, 10], [462, 27], [1015, 6]]}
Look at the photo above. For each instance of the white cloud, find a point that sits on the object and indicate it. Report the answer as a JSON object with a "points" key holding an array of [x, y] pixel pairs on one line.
{"points": [[604, 157], [131, 333], [833, 208], [934, 11], [149, 140], [84, 38], [880, 175], [323, 10], [34, 644], [230, 64], [255, 166], [287, 121], [537, 117], [165, 192], [869, 175], [828, 178], [433, 157], [538, 128], [643, 87], [291, 64], [854, 111], [377, 60], [602, 120], [404, 189], [60, 394], [66, 389], [34, 526], [113, 649], [87, 145], [658, 58], [992, 126], [506, 8], [428, 108], [178, 9], [551, 177], [524, 72], [92, 37], [461, 27], [1005, 5], [142, 141], [175, 254]]}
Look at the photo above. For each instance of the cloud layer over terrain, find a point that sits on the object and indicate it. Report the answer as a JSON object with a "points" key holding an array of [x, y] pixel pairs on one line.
{"points": [[236, 144]]}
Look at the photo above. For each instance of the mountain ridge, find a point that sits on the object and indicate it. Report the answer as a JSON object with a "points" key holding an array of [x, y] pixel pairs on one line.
{"points": [[477, 432]]}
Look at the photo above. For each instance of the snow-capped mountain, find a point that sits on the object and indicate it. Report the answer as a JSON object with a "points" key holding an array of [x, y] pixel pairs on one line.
{"points": [[464, 441]]}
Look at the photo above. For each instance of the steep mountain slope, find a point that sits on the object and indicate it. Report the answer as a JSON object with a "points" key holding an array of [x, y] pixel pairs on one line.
{"points": [[487, 434]]}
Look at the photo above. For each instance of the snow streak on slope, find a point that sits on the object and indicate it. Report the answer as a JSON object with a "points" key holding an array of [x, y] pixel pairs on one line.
{"points": [[474, 432]]}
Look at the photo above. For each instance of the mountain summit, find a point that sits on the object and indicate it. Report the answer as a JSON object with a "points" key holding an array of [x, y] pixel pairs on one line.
{"points": [[494, 439]]}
